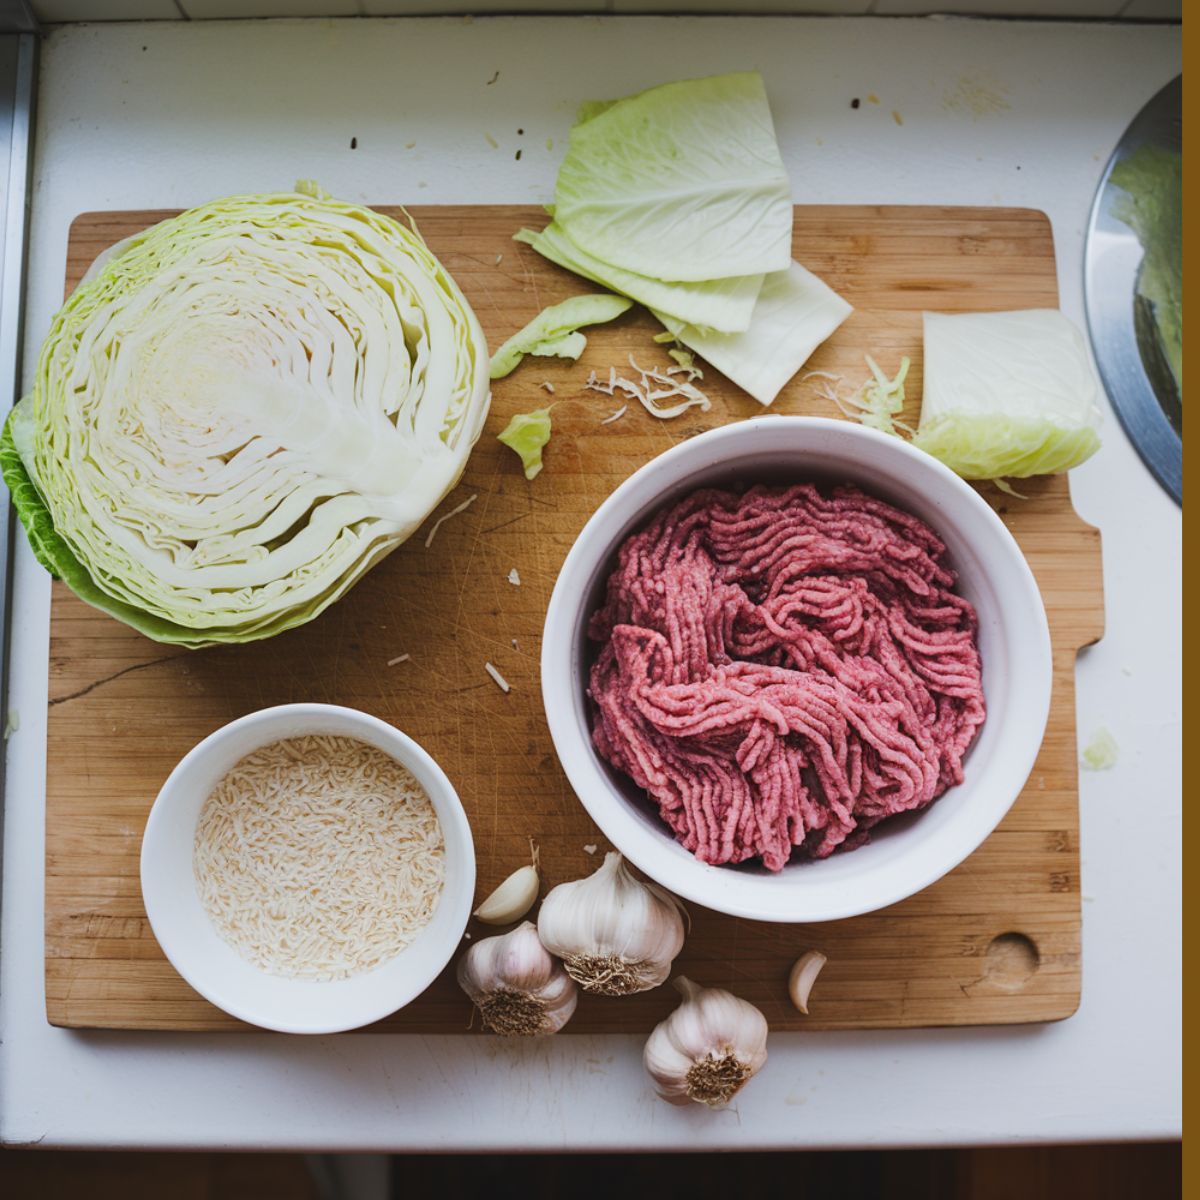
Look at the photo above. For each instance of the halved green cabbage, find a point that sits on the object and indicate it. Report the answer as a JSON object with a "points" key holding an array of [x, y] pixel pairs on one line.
{"points": [[243, 410]]}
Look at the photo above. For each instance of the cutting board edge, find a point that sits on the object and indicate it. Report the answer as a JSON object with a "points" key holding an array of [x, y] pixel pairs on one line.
{"points": [[1061, 1011]]}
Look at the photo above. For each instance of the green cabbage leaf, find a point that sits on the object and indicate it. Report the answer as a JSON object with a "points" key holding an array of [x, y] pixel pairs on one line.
{"points": [[794, 314], [723, 305], [681, 182]]}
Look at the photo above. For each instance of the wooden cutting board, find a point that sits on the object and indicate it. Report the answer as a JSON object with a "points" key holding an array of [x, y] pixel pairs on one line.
{"points": [[997, 941]]}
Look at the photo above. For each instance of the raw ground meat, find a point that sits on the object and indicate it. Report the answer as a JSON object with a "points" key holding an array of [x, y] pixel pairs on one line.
{"points": [[783, 668]]}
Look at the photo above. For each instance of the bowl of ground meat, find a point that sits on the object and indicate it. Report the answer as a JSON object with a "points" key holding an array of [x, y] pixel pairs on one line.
{"points": [[795, 669]]}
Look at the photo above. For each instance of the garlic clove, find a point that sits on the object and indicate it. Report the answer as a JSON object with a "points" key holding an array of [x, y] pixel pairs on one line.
{"points": [[708, 1048], [514, 897], [803, 975], [519, 988], [615, 933]]}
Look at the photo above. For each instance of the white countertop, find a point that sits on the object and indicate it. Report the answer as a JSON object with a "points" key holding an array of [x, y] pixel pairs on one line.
{"points": [[172, 114]]}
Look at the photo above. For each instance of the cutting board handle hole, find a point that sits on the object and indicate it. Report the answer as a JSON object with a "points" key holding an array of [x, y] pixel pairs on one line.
{"points": [[1012, 960]]}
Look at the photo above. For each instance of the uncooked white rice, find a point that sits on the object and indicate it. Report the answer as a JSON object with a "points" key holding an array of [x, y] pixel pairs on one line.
{"points": [[319, 857]]}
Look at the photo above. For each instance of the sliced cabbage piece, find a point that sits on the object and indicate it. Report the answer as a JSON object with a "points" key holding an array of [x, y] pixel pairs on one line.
{"points": [[242, 411], [724, 305], [554, 331], [794, 314], [1007, 394], [681, 182]]}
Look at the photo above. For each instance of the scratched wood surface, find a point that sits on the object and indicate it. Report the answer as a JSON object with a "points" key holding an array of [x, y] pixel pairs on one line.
{"points": [[995, 942]]}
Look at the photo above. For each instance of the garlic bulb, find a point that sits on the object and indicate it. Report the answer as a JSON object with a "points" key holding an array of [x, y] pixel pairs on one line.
{"points": [[615, 934], [518, 987], [707, 1048], [514, 897]]}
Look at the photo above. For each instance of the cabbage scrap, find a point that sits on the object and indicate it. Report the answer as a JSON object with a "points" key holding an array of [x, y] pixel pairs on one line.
{"points": [[527, 433], [554, 331], [652, 388], [680, 182], [794, 314], [1101, 752], [1007, 394]]}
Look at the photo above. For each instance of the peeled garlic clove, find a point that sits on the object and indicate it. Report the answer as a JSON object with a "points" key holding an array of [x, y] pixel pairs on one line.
{"points": [[514, 897], [803, 975], [615, 933], [708, 1048], [520, 989]]}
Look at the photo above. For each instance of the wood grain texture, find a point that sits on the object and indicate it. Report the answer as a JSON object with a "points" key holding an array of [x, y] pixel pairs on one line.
{"points": [[123, 709]]}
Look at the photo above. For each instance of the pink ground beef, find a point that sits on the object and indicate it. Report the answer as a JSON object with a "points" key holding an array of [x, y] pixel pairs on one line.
{"points": [[781, 669]]}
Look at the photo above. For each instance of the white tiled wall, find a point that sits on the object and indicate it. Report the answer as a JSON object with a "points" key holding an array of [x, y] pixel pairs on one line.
{"points": [[53, 11], [1005, 8], [200, 10], [410, 8], [1154, 10]]}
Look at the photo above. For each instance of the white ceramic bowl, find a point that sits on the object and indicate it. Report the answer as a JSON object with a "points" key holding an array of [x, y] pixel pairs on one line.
{"points": [[905, 853], [189, 938]]}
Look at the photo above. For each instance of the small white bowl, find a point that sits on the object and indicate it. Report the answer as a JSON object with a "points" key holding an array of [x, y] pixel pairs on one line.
{"points": [[221, 975], [905, 853]]}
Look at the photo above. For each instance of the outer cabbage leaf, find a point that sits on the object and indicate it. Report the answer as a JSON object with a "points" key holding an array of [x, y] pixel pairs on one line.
{"points": [[1008, 394], [724, 305], [242, 411], [681, 182], [795, 313], [554, 330]]}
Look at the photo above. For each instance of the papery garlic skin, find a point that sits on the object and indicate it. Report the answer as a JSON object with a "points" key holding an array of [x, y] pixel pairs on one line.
{"points": [[708, 1048], [615, 933], [520, 989]]}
